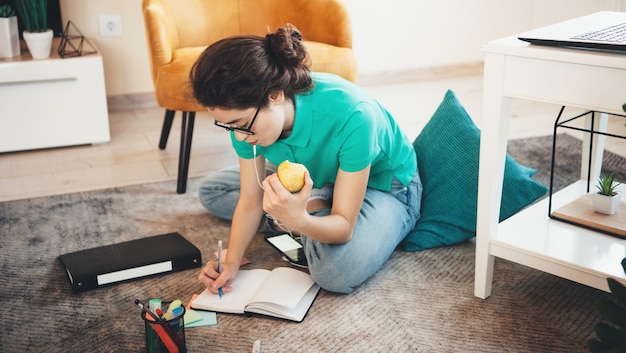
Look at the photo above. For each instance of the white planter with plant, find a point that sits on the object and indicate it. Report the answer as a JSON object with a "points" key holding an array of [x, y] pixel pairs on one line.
{"points": [[608, 198], [37, 35], [9, 33]]}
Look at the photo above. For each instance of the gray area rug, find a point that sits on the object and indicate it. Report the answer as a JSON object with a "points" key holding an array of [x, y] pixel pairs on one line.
{"points": [[418, 302]]}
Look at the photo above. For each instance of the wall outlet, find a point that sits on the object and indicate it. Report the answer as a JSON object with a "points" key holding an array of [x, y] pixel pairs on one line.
{"points": [[110, 25]]}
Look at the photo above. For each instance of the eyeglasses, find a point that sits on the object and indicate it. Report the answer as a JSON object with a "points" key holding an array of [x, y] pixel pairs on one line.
{"points": [[243, 130]]}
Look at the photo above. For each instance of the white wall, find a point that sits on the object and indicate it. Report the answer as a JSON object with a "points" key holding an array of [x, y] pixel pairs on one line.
{"points": [[126, 65], [389, 35], [407, 34]]}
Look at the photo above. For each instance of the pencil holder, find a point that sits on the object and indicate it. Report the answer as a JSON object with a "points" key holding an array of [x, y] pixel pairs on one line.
{"points": [[165, 336]]}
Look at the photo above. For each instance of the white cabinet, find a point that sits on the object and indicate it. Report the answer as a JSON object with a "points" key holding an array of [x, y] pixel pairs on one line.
{"points": [[52, 102]]}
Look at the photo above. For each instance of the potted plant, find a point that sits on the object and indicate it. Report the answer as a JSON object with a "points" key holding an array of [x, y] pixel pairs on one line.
{"points": [[607, 199], [37, 35], [9, 32], [611, 333]]}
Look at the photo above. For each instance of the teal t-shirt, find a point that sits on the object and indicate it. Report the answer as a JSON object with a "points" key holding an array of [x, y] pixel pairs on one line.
{"points": [[337, 125]]}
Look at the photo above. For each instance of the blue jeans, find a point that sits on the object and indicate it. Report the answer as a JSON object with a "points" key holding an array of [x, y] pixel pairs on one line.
{"points": [[384, 221]]}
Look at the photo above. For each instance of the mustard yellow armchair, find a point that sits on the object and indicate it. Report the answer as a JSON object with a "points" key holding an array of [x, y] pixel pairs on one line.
{"points": [[179, 30]]}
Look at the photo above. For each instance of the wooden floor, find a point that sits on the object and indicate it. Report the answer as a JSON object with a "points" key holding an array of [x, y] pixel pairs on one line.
{"points": [[133, 157]]}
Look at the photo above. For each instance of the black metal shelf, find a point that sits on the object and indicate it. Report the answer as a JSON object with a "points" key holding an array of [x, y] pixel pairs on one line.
{"points": [[593, 132]]}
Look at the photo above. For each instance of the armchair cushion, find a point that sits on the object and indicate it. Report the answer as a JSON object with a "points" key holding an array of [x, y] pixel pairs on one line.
{"points": [[172, 89], [328, 58], [447, 155]]}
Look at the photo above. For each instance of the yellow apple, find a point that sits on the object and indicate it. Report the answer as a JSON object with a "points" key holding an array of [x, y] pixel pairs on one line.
{"points": [[291, 175]]}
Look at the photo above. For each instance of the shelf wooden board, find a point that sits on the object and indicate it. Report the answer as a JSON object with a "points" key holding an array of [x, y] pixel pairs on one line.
{"points": [[581, 211]]}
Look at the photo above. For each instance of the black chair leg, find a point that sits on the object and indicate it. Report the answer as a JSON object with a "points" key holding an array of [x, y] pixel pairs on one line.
{"points": [[167, 126], [186, 134]]}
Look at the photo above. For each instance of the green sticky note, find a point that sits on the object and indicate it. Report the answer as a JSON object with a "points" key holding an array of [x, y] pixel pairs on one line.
{"points": [[200, 318], [191, 316]]}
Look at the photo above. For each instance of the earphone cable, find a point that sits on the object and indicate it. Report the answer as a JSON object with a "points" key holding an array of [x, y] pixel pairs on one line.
{"points": [[269, 217]]}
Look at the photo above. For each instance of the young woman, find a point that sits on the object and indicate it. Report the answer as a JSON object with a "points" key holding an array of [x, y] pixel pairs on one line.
{"points": [[362, 191]]}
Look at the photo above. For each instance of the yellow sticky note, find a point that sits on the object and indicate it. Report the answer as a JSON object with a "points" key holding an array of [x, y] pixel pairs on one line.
{"points": [[191, 316]]}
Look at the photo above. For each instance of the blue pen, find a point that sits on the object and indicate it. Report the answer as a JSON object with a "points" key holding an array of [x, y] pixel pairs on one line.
{"points": [[219, 264]]}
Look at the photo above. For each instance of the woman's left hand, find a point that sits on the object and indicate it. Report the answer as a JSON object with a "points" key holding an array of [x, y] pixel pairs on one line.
{"points": [[283, 205]]}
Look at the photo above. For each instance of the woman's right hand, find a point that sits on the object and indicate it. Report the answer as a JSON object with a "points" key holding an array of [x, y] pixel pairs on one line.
{"points": [[213, 280]]}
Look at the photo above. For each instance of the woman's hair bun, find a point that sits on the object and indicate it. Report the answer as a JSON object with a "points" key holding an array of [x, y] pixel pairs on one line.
{"points": [[286, 45]]}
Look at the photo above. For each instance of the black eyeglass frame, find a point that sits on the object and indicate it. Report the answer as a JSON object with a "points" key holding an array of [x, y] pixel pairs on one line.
{"points": [[243, 130]]}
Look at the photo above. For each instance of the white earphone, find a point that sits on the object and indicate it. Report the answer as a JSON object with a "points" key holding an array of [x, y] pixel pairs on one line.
{"points": [[256, 171]]}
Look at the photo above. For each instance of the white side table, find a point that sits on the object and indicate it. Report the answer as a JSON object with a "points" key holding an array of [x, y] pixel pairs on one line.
{"points": [[578, 78], [52, 102]]}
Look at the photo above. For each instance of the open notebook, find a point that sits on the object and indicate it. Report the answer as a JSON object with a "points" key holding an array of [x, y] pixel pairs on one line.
{"points": [[605, 30], [284, 293]]}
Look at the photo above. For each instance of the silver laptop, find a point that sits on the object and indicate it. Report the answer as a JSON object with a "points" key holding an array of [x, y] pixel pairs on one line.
{"points": [[604, 30]]}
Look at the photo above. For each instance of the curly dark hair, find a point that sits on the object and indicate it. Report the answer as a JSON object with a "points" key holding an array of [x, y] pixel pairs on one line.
{"points": [[240, 72]]}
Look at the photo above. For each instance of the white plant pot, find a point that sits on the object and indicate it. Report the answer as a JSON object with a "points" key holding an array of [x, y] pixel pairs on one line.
{"points": [[39, 43], [9, 37], [606, 204]]}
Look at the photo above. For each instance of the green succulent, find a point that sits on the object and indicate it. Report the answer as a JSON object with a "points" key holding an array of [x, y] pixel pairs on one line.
{"points": [[611, 337], [6, 11], [607, 185], [34, 14]]}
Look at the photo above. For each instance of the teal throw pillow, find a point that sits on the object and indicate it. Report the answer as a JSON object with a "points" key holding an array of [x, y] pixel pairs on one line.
{"points": [[447, 156]]}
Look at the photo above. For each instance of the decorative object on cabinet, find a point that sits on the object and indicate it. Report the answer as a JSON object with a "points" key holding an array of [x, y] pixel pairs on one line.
{"points": [[38, 37], [6, 11], [607, 199], [73, 41], [9, 32]]}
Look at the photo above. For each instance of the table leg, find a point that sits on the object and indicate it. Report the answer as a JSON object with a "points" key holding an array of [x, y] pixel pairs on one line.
{"points": [[493, 141]]}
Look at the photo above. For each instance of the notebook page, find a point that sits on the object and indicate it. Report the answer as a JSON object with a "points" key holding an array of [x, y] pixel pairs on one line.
{"points": [[244, 288], [285, 287], [296, 313]]}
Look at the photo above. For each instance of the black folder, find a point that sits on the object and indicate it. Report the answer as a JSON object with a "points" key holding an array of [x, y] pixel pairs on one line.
{"points": [[110, 264]]}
